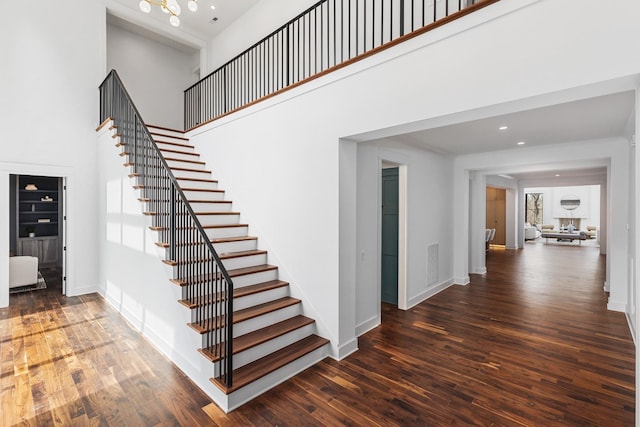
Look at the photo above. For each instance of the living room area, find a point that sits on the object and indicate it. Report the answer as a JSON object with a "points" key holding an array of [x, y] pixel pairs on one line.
{"points": [[567, 215]]}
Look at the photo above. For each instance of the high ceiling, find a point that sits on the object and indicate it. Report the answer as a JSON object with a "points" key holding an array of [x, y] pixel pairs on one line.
{"points": [[204, 24], [586, 118], [598, 117]]}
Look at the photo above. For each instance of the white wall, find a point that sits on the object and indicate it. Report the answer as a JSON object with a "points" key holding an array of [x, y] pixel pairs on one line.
{"points": [[51, 69], [428, 221], [257, 23], [133, 278], [280, 160], [154, 74]]}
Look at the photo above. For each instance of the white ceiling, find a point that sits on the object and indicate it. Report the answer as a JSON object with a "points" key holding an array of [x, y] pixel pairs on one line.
{"points": [[586, 119], [593, 118], [204, 24]]}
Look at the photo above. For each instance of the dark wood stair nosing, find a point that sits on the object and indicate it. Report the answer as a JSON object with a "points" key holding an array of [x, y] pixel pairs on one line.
{"points": [[238, 272], [243, 291], [164, 135], [214, 241], [261, 336], [247, 314], [264, 366]]}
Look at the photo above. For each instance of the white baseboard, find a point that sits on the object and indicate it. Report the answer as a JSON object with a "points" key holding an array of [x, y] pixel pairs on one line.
{"points": [[481, 270], [632, 328], [340, 352], [429, 293], [367, 325], [84, 290], [616, 306], [461, 280]]}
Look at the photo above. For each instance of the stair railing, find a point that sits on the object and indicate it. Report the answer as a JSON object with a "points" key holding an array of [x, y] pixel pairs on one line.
{"points": [[327, 36], [206, 283]]}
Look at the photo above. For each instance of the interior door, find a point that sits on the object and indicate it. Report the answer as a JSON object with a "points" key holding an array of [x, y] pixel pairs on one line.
{"points": [[389, 273], [496, 213]]}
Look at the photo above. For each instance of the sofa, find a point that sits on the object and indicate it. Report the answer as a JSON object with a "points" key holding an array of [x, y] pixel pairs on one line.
{"points": [[531, 232], [23, 270]]}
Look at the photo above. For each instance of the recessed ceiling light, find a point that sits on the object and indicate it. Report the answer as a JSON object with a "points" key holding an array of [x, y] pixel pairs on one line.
{"points": [[212, 7], [557, 174], [503, 128], [521, 143]]}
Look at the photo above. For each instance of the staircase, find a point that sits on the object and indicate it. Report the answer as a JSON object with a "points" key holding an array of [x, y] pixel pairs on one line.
{"points": [[272, 339]]}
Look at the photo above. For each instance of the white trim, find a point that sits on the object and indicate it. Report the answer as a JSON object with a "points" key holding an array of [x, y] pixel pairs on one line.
{"points": [[7, 169], [462, 281], [344, 350], [429, 293], [616, 306], [367, 325], [481, 270], [631, 328]]}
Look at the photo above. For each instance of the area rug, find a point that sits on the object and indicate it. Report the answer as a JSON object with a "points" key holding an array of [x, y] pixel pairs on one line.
{"points": [[42, 284]]}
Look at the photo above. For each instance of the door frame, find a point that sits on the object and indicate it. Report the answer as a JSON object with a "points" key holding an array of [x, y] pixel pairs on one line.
{"points": [[7, 169], [384, 162]]}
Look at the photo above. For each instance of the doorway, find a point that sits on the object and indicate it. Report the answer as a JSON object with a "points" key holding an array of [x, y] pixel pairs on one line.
{"points": [[496, 214], [37, 217], [389, 236]]}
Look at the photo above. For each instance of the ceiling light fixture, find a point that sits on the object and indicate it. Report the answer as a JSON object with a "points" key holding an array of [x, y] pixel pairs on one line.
{"points": [[503, 128], [168, 6], [521, 143], [212, 7]]}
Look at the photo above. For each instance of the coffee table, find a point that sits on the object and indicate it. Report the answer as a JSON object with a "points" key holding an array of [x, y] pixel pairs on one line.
{"points": [[565, 235]]}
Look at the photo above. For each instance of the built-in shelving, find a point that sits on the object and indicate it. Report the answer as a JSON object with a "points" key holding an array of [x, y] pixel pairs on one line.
{"points": [[38, 214]]}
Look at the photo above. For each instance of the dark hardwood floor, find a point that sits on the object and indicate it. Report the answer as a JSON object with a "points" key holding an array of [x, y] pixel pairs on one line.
{"points": [[529, 343]]}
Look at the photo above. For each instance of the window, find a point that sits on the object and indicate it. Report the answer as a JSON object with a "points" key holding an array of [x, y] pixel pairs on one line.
{"points": [[533, 208]]}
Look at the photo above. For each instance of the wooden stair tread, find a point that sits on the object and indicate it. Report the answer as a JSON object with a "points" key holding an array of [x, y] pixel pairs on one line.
{"points": [[260, 336], [237, 293], [246, 314], [270, 363], [165, 128], [186, 153], [241, 254], [213, 181], [197, 162], [230, 255], [238, 272], [214, 241], [154, 134], [233, 239], [222, 202], [155, 228], [189, 170], [202, 190]]}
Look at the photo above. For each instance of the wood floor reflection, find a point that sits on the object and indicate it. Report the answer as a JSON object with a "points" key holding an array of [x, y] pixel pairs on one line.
{"points": [[529, 343]]}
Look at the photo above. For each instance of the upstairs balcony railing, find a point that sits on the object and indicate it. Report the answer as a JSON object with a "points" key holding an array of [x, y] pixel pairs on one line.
{"points": [[327, 36]]}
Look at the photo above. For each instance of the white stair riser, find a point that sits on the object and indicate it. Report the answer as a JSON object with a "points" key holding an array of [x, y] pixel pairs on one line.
{"points": [[244, 302], [188, 149], [239, 246], [244, 261], [191, 174], [255, 353], [252, 279], [219, 233], [259, 322], [222, 219], [260, 298], [210, 207], [204, 195], [156, 130], [184, 164], [200, 185], [271, 380], [241, 262], [180, 156]]}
